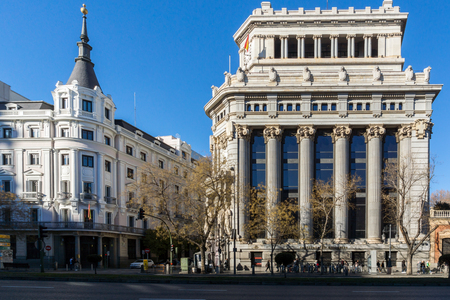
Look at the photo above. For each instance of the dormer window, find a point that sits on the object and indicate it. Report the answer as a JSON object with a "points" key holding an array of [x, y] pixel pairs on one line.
{"points": [[12, 106], [63, 103], [183, 154], [87, 105], [107, 113]]}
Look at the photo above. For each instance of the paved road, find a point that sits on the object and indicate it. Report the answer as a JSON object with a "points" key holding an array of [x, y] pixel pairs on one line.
{"points": [[18, 289]]}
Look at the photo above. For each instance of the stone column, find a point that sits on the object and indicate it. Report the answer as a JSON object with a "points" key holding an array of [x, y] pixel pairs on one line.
{"points": [[403, 136], [349, 45], [374, 135], [272, 138], [341, 136], [300, 46], [319, 46], [56, 180], [381, 45], [243, 134], [303, 47], [286, 44], [282, 47], [100, 177], [19, 162], [353, 45], [336, 45], [305, 137], [365, 46], [74, 166], [332, 46], [315, 46]]}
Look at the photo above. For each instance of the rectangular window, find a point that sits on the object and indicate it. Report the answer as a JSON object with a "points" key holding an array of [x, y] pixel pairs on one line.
{"points": [[108, 218], [383, 106], [129, 150], [177, 189], [350, 106], [323, 107], [183, 154], [33, 186], [359, 106], [333, 106], [6, 212], [34, 132], [400, 106], [131, 221], [6, 186], [65, 186], [87, 161], [34, 159], [87, 105], [392, 106], [280, 107], [7, 133], [107, 191], [145, 225], [176, 170], [107, 140], [65, 215], [130, 173], [264, 107], [131, 249], [34, 215], [64, 132], [289, 107], [107, 166], [256, 107], [87, 187], [130, 196], [65, 159], [7, 159], [143, 156], [367, 106], [297, 107], [315, 107], [161, 164], [87, 134], [63, 103], [107, 113]]}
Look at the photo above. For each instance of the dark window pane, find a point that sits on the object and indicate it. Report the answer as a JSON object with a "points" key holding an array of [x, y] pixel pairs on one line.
{"points": [[289, 107]]}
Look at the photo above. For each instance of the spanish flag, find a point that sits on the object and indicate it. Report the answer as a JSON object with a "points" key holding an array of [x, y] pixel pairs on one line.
{"points": [[89, 212], [246, 43]]}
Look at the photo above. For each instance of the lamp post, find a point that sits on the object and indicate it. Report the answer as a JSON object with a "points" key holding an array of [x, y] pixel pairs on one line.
{"points": [[389, 264], [170, 237], [233, 232]]}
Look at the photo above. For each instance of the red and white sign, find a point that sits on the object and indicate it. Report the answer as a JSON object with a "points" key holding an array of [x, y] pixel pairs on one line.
{"points": [[48, 248], [147, 250]]}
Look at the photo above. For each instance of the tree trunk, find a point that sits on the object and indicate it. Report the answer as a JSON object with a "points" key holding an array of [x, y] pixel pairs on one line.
{"points": [[321, 258], [203, 257], [271, 262], [409, 263]]}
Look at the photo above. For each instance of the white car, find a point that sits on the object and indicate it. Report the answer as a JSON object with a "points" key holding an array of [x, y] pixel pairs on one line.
{"points": [[140, 262]]}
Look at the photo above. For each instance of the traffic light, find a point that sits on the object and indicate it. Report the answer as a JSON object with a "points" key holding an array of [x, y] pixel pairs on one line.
{"points": [[171, 248], [141, 213], [42, 232]]}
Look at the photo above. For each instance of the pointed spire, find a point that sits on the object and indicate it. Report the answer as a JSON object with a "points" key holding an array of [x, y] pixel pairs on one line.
{"points": [[83, 71]]}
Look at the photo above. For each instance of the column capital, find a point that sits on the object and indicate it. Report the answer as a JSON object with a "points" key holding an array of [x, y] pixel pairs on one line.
{"points": [[341, 131], [317, 36], [333, 36], [404, 132], [284, 37], [242, 132], [349, 36], [367, 35], [305, 132], [270, 36], [300, 36], [272, 132], [374, 131], [379, 35], [422, 126]]}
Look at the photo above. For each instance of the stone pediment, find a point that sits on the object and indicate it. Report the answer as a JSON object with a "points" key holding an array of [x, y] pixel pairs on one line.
{"points": [[4, 172], [31, 172]]}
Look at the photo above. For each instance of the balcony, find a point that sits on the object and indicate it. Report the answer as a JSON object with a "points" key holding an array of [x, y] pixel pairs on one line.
{"points": [[88, 197], [64, 196], [439, 213], [110, 200], [32, 196], [72, 226]]}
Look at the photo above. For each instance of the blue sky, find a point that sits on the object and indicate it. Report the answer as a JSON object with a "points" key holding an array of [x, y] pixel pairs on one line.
{"points": [[170, 53]]}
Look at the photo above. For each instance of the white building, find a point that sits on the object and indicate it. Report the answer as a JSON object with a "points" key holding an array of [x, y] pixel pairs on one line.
{"points": [[65, 157], [322, 94]]}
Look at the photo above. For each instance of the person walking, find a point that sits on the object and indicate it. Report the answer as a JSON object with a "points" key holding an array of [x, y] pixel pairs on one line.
{"points": [[382, 267], [268, 265], [403, 266], [71, 264], [378, 267]]}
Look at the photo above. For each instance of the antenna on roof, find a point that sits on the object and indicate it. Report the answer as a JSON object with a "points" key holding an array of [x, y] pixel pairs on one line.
{"points": [[135, 109], [327, 4]]}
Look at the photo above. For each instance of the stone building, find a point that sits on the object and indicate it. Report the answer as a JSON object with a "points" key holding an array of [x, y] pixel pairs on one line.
{"points": [[322, 94], [72, 161]]}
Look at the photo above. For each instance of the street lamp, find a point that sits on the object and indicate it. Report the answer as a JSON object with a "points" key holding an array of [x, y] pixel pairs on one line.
{"points": [[233, 232]]}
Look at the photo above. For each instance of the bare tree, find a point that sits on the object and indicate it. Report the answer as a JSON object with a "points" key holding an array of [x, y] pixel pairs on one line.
{"points": [[326, 198], [191, 204], [12, 209], [406, 188], [440, 196], [277, 220]]}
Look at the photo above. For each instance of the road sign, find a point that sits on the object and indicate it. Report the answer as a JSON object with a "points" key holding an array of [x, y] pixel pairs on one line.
{"points": [[147, 250], [48, 248], [2, 236], [5, 244]]}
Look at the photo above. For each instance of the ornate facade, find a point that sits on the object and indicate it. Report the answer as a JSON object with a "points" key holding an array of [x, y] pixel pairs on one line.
{"points": [[322, 94], [72, 161]]}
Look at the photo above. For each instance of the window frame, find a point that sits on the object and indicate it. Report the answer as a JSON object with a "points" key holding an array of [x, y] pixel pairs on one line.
{"points": [[65, 159], [7, 159], [107, 140], [7, 133], [143, 156], [161, 164], [87, 161], [86, 105], [107, 166], [34, 159], [129, 150], [107, 113], [89, 134], [130, 173]]}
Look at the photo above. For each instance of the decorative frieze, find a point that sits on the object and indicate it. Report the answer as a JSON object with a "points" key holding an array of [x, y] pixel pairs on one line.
{"points": [[404, 132], [341, 131], [305, 132], [242, 132], [374, 131], [422, 126], [272, 132]]}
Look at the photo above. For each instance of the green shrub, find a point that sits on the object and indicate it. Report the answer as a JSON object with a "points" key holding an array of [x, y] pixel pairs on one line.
{"points": [[441, 206], [284, 258]]}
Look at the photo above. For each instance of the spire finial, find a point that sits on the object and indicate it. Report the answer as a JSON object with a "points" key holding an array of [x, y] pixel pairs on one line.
{"points": [[84, 9]]}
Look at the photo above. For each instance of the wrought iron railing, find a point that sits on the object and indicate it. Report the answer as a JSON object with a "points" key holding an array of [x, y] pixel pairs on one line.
{"points": [[32, 196], [88, 197], [64, 196], [71, 226]]}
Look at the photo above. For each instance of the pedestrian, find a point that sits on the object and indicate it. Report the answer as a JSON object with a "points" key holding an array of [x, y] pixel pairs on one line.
{"points": [[382, 267], [268, 265], [77, 265], [422, 265], [71, 264], [403, 266], [378, 267]]}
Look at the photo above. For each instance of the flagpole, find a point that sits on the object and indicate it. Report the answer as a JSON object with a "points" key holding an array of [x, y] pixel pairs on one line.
{"points": [[229, 64]]}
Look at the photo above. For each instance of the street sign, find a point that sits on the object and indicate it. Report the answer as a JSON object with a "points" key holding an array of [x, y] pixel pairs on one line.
{"points": [[48, 248], [2, 236], [147, 250], [5, 244]]}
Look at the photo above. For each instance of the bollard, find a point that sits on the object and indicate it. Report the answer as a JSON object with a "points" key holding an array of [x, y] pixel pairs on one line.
{"points": [[253, 269]]}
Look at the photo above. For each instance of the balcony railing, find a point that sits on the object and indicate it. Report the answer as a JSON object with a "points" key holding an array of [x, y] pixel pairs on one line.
{"points": [[32, 196], [439, 213], [64, 196], [111, 200], [88, 197], [71, 226]]}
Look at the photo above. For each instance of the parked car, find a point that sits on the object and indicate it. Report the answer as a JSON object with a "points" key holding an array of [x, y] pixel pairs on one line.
{"points": [[140, 262]]}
